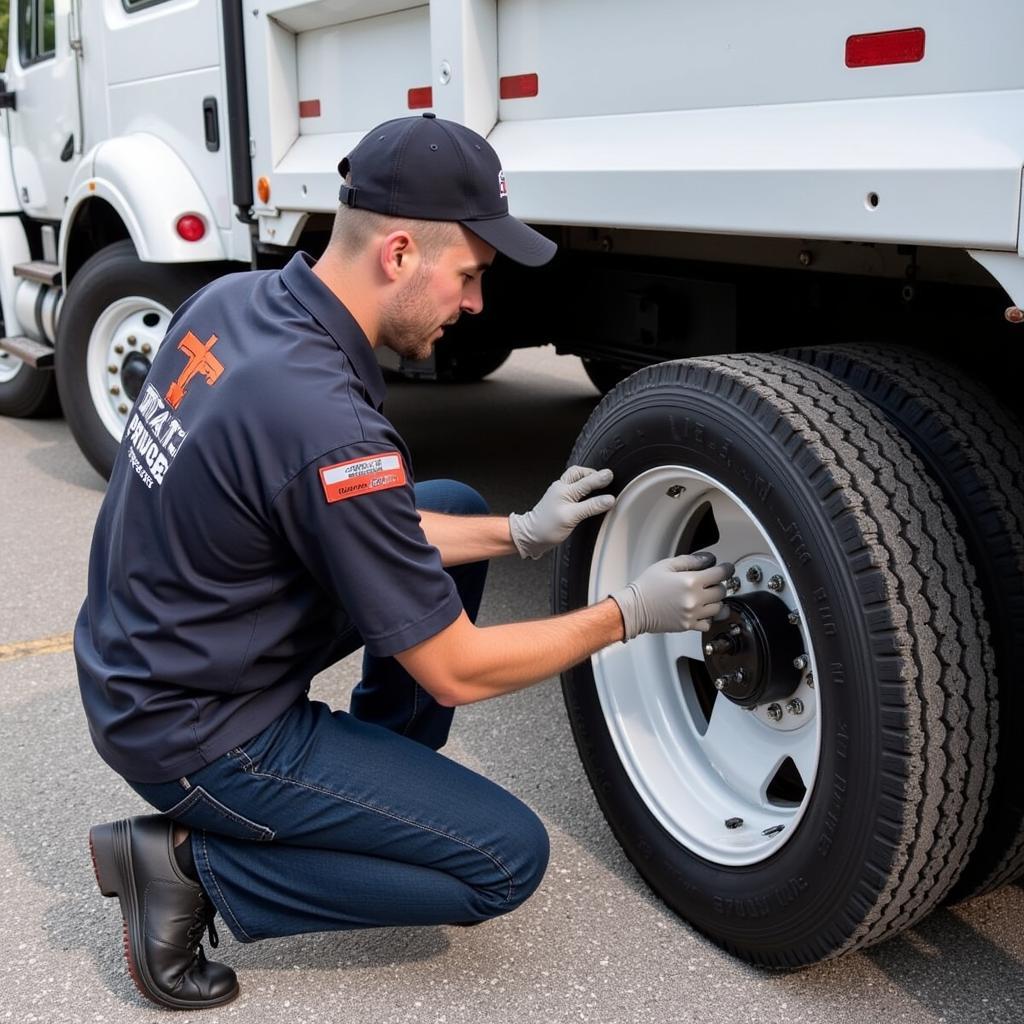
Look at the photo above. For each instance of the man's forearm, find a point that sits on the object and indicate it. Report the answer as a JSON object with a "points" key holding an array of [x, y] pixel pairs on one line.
{"points": [[462, 539], [465, 663], [513, 656]]}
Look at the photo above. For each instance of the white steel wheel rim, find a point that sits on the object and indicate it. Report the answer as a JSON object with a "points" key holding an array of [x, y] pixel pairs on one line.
{"points": [[132, 324], [10, 366], [696, 774]]}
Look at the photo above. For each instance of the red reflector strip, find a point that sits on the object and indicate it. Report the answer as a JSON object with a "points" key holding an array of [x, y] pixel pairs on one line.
{"points": [[421, 98], [905, 46], [515, 87], [309, 108]]}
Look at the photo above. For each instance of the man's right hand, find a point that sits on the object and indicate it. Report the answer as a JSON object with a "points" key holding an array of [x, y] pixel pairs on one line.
{"points": [[673, 595]]}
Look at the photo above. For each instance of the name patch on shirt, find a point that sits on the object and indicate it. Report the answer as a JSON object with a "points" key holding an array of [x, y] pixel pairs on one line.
{"points": [[360, 476]]}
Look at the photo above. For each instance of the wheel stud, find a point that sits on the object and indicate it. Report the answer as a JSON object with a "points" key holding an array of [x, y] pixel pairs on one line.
{"points": [[800, 662], [774, 712], [754, 574], [675, 490], [720, 645], [795, 706], [776, 583], [730, 677]]}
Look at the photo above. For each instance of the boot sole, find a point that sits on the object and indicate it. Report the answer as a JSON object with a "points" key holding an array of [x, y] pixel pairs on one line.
{"points": [[111, 851]]}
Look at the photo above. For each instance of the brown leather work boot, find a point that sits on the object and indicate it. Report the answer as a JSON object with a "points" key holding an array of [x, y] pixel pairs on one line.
{"points": [[165, 914]]}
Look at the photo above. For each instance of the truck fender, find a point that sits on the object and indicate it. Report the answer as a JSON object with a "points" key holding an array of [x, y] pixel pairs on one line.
{"points": [[150, 187], [13, 243]]}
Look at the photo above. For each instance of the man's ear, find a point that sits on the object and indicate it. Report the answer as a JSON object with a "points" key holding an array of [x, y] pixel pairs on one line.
{"points": [[397, 255]]}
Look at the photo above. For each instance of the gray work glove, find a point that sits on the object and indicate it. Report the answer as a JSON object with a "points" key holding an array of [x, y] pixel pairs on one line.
{"points": [[673, 595], [564, 506]]}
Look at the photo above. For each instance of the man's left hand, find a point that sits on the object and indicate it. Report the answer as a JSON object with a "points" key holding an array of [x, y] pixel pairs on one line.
{"points": [[564, 506]]}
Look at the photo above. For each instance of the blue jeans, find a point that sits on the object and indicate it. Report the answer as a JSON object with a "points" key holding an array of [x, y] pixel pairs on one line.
{"points": [[331, 820]]}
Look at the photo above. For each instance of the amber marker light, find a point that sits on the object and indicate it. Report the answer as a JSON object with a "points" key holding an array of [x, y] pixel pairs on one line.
{"points": [[263, 190]]}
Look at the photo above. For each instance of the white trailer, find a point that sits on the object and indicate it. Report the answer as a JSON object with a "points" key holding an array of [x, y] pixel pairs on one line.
{"points": [[723, 181]]}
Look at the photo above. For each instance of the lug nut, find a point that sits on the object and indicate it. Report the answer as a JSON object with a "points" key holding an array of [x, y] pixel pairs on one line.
{"points": [[793, 618], [675, 490], [131, 339], [800, 662], [733, 822], [795, 706], [146, 348], [115, 390], [776, 583], [720, 645], [734, 629], [810, 682], [122, 409], [119, 349], [732, 584], [112, 368], [720, 683], [754, 574], [774, 712]]}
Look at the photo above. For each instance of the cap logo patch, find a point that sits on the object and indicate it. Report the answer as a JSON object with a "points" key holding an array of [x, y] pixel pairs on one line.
{"points": [[360, 476], [502, 187]]}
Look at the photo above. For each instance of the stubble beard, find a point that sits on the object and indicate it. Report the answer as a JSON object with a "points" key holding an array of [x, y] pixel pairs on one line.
{"points": [[408, 322]]}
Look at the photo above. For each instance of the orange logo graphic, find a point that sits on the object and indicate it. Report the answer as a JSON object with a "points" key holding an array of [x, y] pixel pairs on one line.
{"points": [[200, 361]]}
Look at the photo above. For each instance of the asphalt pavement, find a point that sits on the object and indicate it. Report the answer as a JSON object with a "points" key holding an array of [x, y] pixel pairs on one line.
{"points": [[593, 944]]}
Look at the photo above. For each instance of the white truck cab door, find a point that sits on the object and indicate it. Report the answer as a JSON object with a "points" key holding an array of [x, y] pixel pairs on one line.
{"points": [[45, 124]]}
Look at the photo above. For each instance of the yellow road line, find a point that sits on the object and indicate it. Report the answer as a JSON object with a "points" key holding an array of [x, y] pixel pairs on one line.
{"points": [[44, 645]]}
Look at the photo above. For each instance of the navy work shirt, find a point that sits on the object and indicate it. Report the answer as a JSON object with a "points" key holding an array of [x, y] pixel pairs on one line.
{"points": [[260, 508]]}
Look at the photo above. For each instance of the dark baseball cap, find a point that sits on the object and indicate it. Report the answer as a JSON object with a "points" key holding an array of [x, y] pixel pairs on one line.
{"points": [[426, 168]]}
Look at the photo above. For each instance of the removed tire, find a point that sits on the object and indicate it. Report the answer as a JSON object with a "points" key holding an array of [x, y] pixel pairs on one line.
{"points": [[974, 450], [113, 320], [25, 391], [807, 778]]}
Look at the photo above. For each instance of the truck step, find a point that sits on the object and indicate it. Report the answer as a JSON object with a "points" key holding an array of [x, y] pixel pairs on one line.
{"points": [[34, 353], [39, 270]]}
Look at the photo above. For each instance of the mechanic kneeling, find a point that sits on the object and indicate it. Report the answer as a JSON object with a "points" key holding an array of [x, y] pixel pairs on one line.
{"points": [[282, 532]]}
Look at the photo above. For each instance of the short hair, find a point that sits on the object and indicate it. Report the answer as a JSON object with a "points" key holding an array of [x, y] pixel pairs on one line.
{"points": [[354, 229]]}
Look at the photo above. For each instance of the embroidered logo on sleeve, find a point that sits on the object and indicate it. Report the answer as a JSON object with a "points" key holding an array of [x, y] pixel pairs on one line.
{"points": [[201, 362], [361, 476]]}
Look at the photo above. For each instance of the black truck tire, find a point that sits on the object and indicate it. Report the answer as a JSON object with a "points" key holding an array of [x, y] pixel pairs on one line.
{"points": [[111, 282], [874, 573], [25, 391], [974, 449]]}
